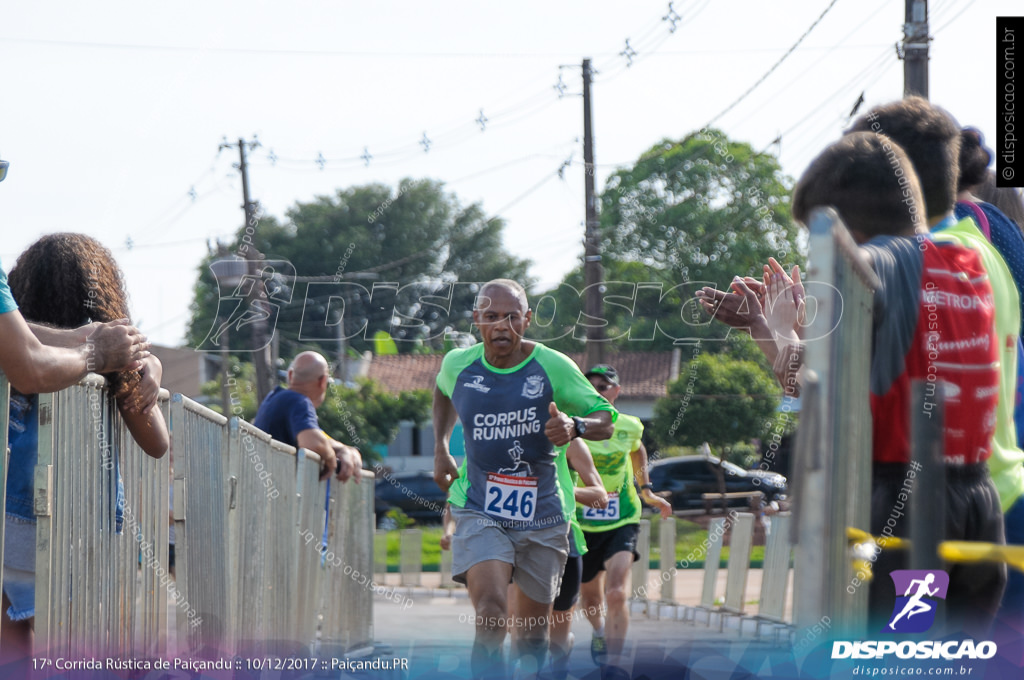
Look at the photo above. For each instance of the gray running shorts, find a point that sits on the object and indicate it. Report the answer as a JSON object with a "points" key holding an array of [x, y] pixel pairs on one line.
{"points": [[537, 556]]}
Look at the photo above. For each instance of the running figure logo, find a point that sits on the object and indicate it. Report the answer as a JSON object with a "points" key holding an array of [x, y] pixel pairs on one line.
{"points": [[520, 467], [256, 300], [915, 610]]}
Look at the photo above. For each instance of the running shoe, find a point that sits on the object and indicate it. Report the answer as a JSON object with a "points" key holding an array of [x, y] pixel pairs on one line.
{"points": [[598, 650]]}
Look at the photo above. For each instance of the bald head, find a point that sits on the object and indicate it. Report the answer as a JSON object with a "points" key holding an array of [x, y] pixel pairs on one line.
{"points": [[307, 367], [308, 375], [509, 286]]}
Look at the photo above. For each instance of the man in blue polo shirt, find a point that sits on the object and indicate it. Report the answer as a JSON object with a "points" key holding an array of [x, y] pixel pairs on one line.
{"points": [[289, 415]]}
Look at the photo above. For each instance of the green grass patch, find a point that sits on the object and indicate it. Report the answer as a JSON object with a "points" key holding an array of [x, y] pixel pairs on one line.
{"points": [[689, 546], [431, 547]]}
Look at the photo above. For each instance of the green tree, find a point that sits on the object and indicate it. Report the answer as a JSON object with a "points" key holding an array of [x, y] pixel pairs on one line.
{"points": [[689, 213], [366, 416], [718, 400], [405, 261], [704, 208]]}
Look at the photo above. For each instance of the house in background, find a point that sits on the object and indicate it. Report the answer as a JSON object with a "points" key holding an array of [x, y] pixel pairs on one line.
{"points": [[644, 376], [185, 370]]}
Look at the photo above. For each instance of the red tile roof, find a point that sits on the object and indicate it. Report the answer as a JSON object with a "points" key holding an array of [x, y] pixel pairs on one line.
{"points": [[403, 372], [644, 375]]}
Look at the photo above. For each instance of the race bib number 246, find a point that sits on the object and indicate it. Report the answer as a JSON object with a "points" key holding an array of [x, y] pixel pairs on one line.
{"points": [[511, 497]]}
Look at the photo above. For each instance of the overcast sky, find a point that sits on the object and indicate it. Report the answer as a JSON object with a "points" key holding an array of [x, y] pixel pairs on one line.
{"points": [[111, 114]]}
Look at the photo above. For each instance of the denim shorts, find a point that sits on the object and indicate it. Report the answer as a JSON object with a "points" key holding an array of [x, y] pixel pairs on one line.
{"points": [[20, 567]]}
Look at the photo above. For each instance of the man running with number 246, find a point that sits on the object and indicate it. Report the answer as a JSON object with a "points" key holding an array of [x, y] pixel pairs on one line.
{"points": [[514, 398]]}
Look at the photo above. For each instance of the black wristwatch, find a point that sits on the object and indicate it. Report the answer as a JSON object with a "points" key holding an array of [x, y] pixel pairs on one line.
{"points": [[579, 426], [649, 487]]}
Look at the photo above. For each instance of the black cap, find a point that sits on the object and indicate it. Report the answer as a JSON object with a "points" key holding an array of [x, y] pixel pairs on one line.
{"points": [[605, 371]]}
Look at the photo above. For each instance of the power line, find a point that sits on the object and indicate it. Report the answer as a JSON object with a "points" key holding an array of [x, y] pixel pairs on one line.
{"points": [[775, 66], [954, 18], [470, 127], [817, 63], [874, 73], [877, 62], [452, 136]]}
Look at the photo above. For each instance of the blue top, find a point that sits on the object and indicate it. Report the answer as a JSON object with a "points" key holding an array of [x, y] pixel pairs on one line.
{"points": [[284, 414], [1007, 239], [7, 303]]}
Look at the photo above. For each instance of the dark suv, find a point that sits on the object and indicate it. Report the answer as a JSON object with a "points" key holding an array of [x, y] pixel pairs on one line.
{"points": [[415, 493], [689, 477]]}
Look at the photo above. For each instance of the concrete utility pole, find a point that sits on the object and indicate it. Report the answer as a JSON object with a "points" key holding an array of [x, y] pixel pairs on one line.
{"points": [[593, 274], [915, 49], [257, 293]]}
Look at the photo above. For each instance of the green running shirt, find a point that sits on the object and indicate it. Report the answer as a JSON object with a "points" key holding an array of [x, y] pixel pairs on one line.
{"points": [[611, 457], [510, 463]]}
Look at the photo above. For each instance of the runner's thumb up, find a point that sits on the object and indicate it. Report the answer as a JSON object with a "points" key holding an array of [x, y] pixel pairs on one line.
{"points": [[553, 410]]}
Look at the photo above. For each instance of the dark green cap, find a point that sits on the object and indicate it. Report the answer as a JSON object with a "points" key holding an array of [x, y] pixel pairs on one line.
{"points": [[604, 370]]}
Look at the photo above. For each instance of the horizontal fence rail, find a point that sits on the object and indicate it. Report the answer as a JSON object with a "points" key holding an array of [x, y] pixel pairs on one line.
{"points": [[253, 533]]}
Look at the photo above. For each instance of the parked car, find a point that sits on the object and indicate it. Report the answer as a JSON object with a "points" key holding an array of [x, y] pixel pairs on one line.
{"points": [[414, 493], [688, 478]]}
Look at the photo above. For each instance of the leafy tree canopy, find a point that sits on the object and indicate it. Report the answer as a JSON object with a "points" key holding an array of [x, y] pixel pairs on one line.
{"points": [[689, 213], [718, 400], [704, 208], [405, 261]]}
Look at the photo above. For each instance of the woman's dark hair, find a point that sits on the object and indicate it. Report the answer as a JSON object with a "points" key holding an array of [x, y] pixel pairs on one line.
{"points": [[975, 158], [68, 280]]}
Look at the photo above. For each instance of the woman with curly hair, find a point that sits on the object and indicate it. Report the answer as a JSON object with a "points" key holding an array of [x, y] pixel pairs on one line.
{"points": [[64, 281]]}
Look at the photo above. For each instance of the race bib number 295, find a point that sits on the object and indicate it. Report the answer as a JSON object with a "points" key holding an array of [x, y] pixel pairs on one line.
{"points": [[511, 497]]}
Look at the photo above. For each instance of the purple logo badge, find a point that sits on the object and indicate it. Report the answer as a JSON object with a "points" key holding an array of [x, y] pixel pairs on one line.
{"points": [[916, 592]]}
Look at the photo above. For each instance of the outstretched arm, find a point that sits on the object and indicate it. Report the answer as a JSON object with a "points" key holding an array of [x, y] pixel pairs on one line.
{"points": [[33, 367], [62, 337]]}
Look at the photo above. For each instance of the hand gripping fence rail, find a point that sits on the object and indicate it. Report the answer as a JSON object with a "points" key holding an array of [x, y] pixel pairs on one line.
{"points": [[253, 574]]}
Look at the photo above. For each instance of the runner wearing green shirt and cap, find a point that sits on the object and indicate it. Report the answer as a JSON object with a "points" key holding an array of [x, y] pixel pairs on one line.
{"points": [[612, 532]]}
